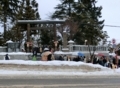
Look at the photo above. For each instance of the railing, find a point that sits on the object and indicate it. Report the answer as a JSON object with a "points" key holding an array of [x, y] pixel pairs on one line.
{"points": [[90, 47], [75, 48]]}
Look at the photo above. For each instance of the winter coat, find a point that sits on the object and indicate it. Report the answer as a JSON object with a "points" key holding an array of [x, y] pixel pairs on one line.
{"points": [[6, 57]]}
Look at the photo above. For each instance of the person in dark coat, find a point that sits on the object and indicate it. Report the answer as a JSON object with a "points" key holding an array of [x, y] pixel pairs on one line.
{"points": [[7, 57], [25, 46], [95, 61], [77, 59], [60, 58], [100, 61], [35, 48], [49, 57]]}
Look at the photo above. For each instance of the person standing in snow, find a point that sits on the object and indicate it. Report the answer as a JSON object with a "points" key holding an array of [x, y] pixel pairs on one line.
{"points": [[35, 48], [25, 46], [65, 57], [6, 57]]}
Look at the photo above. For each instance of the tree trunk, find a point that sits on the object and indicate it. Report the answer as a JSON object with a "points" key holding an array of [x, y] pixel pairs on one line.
{"points": [[5, 20]]}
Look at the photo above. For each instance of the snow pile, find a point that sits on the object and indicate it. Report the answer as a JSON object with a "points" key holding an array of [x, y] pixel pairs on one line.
{"points": [[66, 68]]}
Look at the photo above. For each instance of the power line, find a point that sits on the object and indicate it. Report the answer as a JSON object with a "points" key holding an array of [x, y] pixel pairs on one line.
{"points": [[105, 25], [112, 26]]}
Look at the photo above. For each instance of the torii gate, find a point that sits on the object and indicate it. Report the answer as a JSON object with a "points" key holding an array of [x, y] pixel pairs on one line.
{"points": [[48, 23], [43, 24]]}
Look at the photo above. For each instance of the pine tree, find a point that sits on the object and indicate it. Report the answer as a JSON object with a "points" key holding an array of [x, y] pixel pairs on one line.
{"points": [[91, 26], [64, 9], [87, 16], [28, 10], [46, 36], [7, 12]]}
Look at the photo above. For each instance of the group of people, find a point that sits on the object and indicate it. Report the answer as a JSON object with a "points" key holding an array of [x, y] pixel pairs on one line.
{"points": [[35, 48], [70, 58], [107, 61]]}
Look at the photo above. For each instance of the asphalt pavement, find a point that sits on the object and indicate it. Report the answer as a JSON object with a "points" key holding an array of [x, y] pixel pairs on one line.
{"points": [[60, 82]]}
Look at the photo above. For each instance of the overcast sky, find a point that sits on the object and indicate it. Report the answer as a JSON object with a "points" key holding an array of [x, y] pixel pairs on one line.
{"points": [[110, 13]]}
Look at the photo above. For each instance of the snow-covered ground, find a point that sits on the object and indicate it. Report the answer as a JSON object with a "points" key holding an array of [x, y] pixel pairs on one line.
{"points": [[63, 68]]}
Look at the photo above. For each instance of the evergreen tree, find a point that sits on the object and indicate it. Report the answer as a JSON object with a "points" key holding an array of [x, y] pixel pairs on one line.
{"points": [[46, 36], [86, 14], [91, 26], [7, 12], [28, 10], [64, 9]]}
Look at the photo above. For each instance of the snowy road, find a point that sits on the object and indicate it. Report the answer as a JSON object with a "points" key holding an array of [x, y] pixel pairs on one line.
{"points": [[53, 82]]}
